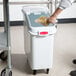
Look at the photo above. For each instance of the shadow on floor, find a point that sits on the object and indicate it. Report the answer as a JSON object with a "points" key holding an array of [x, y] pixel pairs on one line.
{"points": [[19, 62], [68, 58]]}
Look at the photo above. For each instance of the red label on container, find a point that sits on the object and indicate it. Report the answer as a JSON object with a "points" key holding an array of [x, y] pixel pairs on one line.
{"points": [[43, 33]]}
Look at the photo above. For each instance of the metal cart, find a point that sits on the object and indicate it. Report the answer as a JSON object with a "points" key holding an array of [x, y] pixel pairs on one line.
{"points": [[38, 39], [5, 46]]}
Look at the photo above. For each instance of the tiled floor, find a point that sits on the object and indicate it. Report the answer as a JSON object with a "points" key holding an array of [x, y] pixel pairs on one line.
{"points": [[64, 52]]}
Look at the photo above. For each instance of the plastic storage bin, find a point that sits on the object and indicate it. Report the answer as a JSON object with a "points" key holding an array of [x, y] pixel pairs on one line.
{"points": [[38, 39]]}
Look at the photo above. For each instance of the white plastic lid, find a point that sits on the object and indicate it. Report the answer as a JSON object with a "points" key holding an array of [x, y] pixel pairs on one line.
{"points": [[35, 9], [32, 13]]}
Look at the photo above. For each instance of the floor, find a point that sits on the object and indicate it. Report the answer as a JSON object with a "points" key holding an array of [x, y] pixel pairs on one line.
{"points": [[64, 52]]}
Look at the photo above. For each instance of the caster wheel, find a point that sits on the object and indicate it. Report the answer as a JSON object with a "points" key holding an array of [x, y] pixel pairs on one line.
{"points": [[73, 73], [47, 71], [3, 56], [34, 72], [10, 73], [56, 26], [3, 73], [74, 61]]}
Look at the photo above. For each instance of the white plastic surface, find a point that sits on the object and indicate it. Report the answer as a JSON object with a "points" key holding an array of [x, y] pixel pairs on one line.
{"points": [[42, 52], [35, 9], [36, 31], [39, 50]]}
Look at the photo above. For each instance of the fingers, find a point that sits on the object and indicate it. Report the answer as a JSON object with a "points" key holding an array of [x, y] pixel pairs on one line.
{"points": [[52, 19]]}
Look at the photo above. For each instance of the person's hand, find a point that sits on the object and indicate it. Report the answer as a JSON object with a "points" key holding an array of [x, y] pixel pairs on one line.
{"points": [[46, 20], [51, 19]]}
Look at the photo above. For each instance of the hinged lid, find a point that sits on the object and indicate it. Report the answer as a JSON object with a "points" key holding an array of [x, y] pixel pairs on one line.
{"points": [[31, 14]]}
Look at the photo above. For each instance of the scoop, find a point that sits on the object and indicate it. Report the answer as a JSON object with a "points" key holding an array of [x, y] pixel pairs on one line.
{"points": [[42, 20]]}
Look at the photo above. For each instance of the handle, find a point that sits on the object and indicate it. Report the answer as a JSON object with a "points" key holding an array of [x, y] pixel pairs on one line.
{"points": [[42, 33], [32, 33]]}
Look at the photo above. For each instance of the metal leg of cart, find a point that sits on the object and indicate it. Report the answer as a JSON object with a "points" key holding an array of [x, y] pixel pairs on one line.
{"points": [[7, 71]]}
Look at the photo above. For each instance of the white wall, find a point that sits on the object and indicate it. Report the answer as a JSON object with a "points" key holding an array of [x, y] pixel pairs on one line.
{"points": [[16, 13], [69, 12]]}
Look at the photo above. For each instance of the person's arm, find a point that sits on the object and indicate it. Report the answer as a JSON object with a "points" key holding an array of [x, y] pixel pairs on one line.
{"points": [[53, 17], [63, 5]]}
